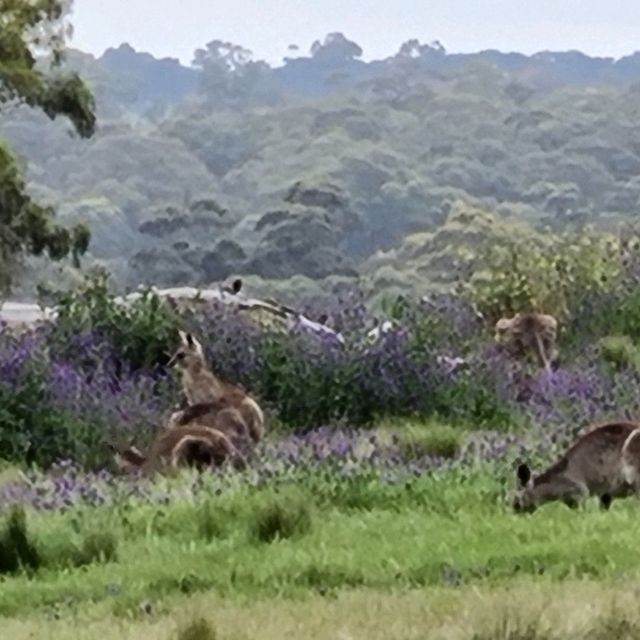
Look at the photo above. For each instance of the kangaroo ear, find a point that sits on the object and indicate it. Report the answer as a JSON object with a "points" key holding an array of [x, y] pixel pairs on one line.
{"points": [[524, 474], [195, 345], [183, 337]]}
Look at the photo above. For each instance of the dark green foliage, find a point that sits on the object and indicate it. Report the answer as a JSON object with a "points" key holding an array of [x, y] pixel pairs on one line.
{"points": [[470, 400], [143, 332], [27, 227], [625, 317], [519, 269], [212, 521], [33, 432], [281, 516], [41, 23], [526, 143], [198, 629], [17, 550], [620, 351]]}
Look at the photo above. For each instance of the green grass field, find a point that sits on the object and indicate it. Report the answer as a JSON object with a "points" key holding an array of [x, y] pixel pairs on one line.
{"points": [[441, 557]]}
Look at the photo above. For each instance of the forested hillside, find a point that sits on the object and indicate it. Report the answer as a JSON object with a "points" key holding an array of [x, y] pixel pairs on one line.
{"points": [[329, 167]]}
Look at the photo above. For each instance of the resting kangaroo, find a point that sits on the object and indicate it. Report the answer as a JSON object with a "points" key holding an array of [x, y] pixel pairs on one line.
{"points": [[193, 446], [207, 394], [603, 462]]}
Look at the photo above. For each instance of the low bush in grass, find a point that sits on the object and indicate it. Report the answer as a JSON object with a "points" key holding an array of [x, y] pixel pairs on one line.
{"points": [[17, 549], [281, 515]]}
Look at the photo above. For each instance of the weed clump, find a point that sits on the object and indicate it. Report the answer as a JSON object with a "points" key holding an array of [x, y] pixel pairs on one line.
{"points": [[17, 550], [512, 628], [198, 629], [281, 517], [97, 546], [416, 442]]}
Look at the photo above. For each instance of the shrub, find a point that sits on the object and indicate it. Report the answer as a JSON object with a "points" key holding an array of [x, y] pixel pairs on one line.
{"points": [[17, 550], [52, 409], [31, 431], [534, 271], [140, 332], [620, 351]]}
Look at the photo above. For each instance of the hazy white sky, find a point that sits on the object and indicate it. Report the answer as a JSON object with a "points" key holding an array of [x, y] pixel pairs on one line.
{"points": [[176, 28]]}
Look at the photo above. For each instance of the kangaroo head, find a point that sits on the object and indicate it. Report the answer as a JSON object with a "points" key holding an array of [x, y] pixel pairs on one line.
{"points": [[525, 498], [502, 327], [189, 355]]}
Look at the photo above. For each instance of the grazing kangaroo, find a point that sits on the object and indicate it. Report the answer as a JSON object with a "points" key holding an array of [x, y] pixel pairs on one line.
{"points": [[530, 332], [603, 462], [192, 446], [206, 394]]}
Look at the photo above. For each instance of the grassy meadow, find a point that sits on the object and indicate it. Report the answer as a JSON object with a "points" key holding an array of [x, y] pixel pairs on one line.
{"points": [[320, 557], [377, 505]]}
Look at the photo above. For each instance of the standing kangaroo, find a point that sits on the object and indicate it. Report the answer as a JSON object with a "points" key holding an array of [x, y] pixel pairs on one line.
{"points": [[530, 331], [206, 394], [192, 446], [603, 462]]}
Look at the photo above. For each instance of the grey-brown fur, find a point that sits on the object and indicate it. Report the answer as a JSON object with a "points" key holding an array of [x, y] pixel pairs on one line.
{"points": [[191, 446], [530, 332], [603, 462], [202, 387]]}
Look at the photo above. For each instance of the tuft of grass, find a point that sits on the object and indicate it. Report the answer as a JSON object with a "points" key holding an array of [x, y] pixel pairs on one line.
{"points": [[96, 547], [17, 550], [434, 439], [198, 629], [418, 439], [616, 625], [620, 351], [512, 628], [209, 521], [281, 516]]}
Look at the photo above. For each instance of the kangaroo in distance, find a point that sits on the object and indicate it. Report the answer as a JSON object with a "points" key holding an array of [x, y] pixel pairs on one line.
{"points": [[206, 394], [603, 462], [527, 332], [194, 446]]}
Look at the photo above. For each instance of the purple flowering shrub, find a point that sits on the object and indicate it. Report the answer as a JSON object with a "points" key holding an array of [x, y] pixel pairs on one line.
{"points": [[310, 379], [97, 374], [52, 408], [70, 387]]}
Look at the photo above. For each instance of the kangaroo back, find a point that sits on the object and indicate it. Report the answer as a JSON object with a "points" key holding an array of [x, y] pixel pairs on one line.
{"points": [[237, 421], [193, 445]]}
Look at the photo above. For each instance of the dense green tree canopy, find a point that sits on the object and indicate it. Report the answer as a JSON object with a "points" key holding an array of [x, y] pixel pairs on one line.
{"points": [[30, 32], [330, 167]]}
